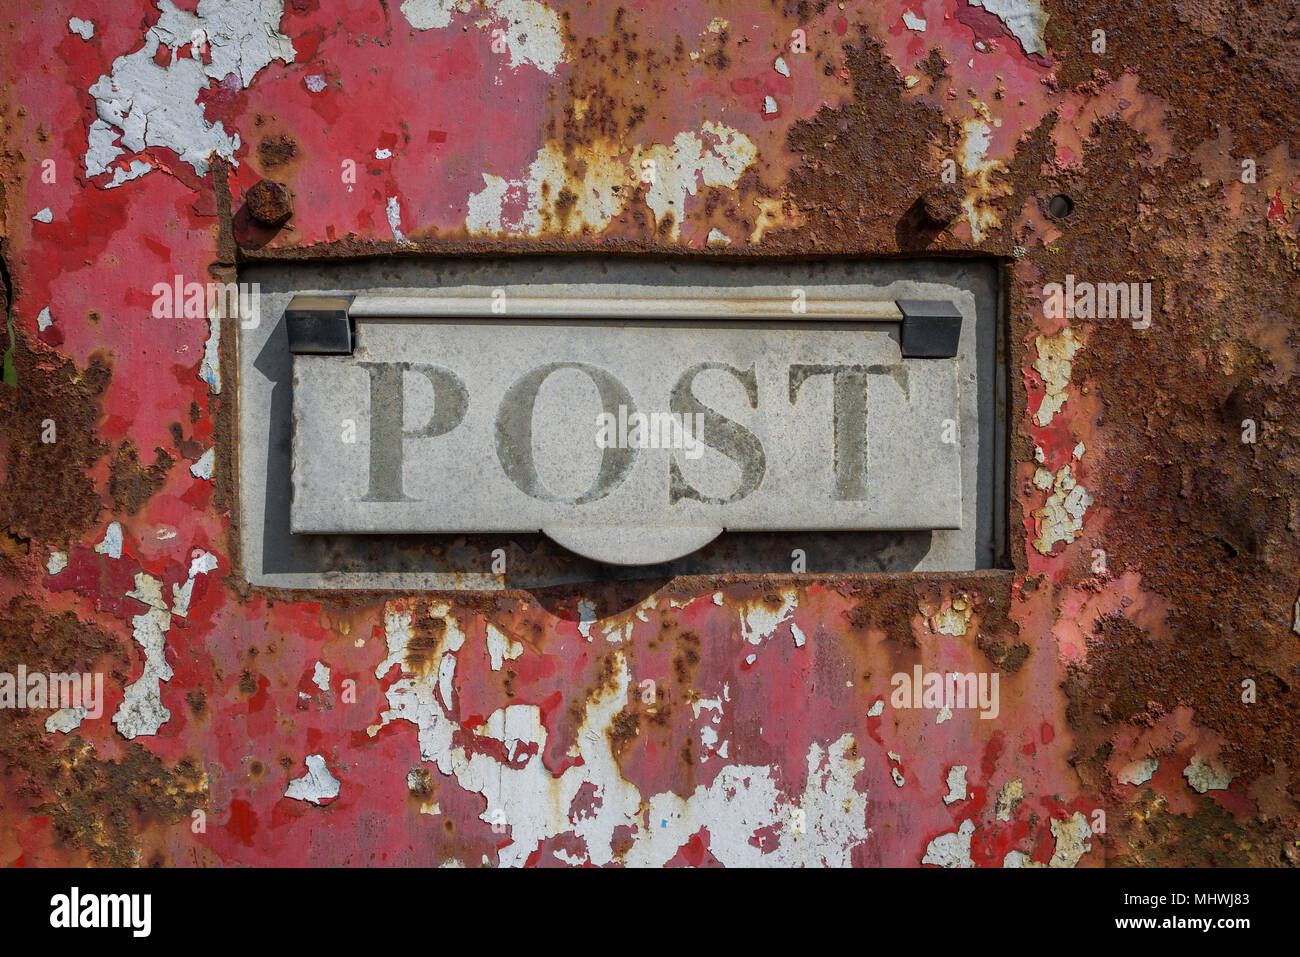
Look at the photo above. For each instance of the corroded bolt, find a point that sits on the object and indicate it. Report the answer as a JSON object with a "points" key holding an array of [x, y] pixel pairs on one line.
{"points": [[940, 206], [270, 203]]}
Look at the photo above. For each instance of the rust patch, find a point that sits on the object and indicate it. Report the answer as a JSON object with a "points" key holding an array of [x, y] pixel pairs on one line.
{"points": [[419, 783], [1211, 837], [188, 448], [427, 634], [879, 150], [1210, 521], [624, 730], [97, 806], [1006, 656], [276, 150], [1182, 58], [101, 805], [131, 485], [687, 659], [47, 493], [61, 643]]}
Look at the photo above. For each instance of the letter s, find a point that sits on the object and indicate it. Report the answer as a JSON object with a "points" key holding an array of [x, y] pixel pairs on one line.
{"points": [[730, 438]]}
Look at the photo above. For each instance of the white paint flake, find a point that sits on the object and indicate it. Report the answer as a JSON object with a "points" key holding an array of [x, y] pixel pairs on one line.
{"points": [[317, 786], [952, 618], [82, 28], [102, 151], [758, 622], [484, 208], [956, 784], [742, 802], [150, 105], [502, 649], [393, 210], [44, 216], [142, 711], [532, 33], [1024, 18], [56, 563], [530, 30], [65, 720], [913, 22], [320, 676], [769, 105], [1019, 859], [780, 66], [978, 168], [711, 704], [202, 469], [432, 14], [1054, 361], [43, 320], [1138, 772], [1060, 518], [951, 849], [1207, 775], [1009, 798], [202, 563], [716, 156], [112, 543], [210, 367], [1072, 842]]}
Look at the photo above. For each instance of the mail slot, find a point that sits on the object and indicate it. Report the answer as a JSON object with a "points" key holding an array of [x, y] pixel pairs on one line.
{"points": [[629, 415]]}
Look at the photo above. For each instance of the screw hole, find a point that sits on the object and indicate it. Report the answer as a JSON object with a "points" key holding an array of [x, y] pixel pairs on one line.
{"points": [[1060, 206]]}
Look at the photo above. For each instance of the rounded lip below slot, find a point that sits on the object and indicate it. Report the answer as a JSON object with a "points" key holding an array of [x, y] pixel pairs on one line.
{"points": [[633, 545]]}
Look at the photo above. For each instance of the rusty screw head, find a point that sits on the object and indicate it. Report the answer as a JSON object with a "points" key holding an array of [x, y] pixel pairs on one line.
{"points": [[940, 206], [270, 203]]}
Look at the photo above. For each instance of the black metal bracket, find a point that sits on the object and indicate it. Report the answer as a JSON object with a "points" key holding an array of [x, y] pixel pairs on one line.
{"points": [[931, 329], [319, 325]]}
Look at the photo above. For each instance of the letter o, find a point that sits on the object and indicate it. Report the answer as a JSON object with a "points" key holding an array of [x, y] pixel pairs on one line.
{"points": [[514, 434]]}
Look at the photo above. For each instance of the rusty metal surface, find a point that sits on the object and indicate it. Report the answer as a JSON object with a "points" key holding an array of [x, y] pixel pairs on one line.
{"points": [[1146, 640]]}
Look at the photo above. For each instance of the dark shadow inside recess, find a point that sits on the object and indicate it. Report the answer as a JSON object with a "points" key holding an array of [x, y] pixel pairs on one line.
{"points": [[532, 560]]}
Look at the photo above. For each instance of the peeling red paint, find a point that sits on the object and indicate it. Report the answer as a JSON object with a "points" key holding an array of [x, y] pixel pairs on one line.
{"points": [[1142, 660]]}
